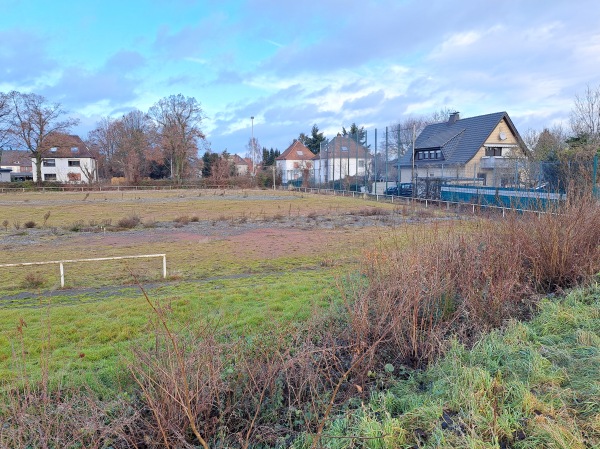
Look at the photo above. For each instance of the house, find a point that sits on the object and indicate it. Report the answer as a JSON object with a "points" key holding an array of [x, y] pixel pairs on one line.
{"points": [[66, 160], [295, 163], [19, 164], [342, 157], [5, 174], [241, 165], [485, 149]]}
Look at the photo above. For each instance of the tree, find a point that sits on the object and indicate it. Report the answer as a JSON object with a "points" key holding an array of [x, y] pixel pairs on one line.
{"points": [[585, 116], [32, 121], [178, 121], [135, 142], [254, 152], [4, 121], [313, 143], [354, 132], [106, 138]]}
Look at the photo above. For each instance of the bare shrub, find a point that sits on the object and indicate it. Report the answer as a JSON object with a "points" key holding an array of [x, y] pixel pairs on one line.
{"points": [[33, 280], [76, 226], [182, 220], [371, 211], [46, 217], [194, 218], [560, 248], [129, 222], [17, 224], [29, 224], [5, 224]]}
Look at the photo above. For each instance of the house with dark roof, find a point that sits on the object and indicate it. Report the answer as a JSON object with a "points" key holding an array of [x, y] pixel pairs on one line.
{"points": [[484, 149], [18, 164], [340, 158], [66, 159], [295, 162]]}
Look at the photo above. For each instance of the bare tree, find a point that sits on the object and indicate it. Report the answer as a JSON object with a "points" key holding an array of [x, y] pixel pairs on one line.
{"points": [[106, 137], [585, 115], [178, 121], [4, 121], [254, 152], [33, 120], [135, 142]]}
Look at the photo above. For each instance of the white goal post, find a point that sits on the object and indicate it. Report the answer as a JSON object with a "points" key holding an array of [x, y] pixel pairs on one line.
{"points": [[62, 262]]}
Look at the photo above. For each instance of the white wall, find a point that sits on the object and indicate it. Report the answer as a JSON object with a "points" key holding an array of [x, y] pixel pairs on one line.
{"points": [[336, 168], [62, 169]]}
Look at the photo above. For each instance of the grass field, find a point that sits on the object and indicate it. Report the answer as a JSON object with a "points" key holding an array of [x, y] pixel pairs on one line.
{"points": [[245, 260]]}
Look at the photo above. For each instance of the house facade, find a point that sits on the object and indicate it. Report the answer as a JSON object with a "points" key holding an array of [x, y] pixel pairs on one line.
{"points": [[340, 158], [19, 164], [295, 163], [486, 149], [66, 160]]}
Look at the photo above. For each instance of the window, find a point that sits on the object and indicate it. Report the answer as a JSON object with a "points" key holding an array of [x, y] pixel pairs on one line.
{"points": [[419, 155], [49, 163], [438, 154], [74, 163], [74, 149], [53, 150], [426, 155], [493, 151], [300, 153], [344, 148], [361, 163], [49, 176], [432, 155]]}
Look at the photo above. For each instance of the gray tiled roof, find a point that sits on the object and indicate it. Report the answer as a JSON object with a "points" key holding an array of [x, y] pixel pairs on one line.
{"points": [[459, 141]]}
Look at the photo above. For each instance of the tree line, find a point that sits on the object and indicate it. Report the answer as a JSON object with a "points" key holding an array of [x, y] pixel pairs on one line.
{"points": [[162, 142]]}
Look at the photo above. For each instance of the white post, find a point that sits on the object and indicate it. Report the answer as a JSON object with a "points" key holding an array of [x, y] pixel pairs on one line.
{"points": [[62, 275], [165, 266]]}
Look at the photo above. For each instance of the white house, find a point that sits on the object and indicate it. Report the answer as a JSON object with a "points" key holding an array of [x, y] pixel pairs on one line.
{"points": [[295, 163], [67, 160], [340, 158]]}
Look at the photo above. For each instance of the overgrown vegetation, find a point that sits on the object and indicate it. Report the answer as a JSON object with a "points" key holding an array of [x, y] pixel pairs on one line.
{"points": [[428, 347]]}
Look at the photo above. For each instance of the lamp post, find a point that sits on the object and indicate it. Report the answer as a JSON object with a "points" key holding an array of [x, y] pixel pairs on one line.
{"points": [[252, 149]]}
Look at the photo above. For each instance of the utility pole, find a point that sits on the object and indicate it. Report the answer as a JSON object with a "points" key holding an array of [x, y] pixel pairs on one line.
{"points": [[252, 149]]}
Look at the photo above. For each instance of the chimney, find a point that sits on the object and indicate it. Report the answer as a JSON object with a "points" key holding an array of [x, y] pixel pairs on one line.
{"points": [[454, 116]]}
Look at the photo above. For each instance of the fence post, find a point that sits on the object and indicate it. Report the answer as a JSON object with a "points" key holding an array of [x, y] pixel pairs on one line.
{"points": [[165, 266], [62, 275]]}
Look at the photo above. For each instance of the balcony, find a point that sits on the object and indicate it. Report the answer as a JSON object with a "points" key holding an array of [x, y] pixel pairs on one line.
{"points": [[494, 162]]}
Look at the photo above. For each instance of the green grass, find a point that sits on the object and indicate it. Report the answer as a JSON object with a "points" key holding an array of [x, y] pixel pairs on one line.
{"points": [[533, 385], [90, 335]]}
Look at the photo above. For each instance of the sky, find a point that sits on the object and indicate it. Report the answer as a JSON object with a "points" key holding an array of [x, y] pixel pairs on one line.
{"points": [[292, 64]]}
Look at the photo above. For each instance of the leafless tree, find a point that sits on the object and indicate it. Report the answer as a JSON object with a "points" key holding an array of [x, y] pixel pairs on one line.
{"points": [[33, 120], [178, 121], [4, 121], [585, 115], [135, 143], [254, 152], [106, 137]]}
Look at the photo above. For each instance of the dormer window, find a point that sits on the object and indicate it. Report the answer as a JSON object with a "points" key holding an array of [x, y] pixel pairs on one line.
{"points": [[53, 150], [344, 148], [74, 149]]}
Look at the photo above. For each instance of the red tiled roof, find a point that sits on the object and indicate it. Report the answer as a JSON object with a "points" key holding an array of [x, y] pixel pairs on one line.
{"points": [[296, 152], [66, 146]]}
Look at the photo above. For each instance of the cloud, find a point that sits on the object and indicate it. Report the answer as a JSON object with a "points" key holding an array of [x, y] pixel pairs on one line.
{"points": [[23, 57]]}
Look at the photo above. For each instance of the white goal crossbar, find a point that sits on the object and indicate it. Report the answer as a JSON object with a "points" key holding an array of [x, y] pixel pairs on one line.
{"points": [[62, 262]]}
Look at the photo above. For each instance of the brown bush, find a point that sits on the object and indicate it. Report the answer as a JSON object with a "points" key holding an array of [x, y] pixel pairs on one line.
{"points": [[33, 280], [129, 222], [29, 224]]}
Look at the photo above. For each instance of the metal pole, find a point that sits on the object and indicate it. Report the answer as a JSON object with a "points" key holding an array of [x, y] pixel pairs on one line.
{"points": [[375, 171], [414, 181], [252, 149], [386, 157], [356, 166]]}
